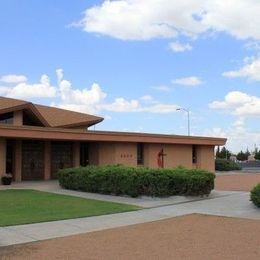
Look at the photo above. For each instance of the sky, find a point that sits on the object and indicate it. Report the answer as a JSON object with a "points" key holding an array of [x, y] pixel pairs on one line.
{"points": [[134, 62]]}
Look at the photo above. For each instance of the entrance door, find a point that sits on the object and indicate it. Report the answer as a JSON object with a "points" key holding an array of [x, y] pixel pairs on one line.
{"points": [[61, 157], [32, 160]]}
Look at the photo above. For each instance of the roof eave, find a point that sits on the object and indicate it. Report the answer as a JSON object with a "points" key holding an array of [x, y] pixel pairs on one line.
{"points": [[44, 133], [84, 123]]}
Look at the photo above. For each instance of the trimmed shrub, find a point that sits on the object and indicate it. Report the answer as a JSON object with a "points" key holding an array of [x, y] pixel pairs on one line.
{"points": [[226, 165], [255, 195], [120, 180]]}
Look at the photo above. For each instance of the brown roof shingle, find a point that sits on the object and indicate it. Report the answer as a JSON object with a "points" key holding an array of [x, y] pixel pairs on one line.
{"points": [[50, 116], [57, 117], [11, 103]]}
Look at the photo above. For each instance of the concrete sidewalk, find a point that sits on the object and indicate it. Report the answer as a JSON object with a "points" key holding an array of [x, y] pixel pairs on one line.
{"points": [[234, 204], [142, 201]]}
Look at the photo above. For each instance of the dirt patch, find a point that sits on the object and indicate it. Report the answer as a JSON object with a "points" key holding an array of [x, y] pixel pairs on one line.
{"points": [[188, 237], [237, 182]]}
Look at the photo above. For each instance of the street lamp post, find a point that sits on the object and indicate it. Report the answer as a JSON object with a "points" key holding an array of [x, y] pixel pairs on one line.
{"points": [[188, 116]]}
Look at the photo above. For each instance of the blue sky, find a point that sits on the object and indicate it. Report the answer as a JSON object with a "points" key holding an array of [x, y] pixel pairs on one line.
{"points": [[134, 62]]}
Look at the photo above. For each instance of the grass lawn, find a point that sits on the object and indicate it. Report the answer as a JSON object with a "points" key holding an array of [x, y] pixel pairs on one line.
{"points": [[30, 206]]}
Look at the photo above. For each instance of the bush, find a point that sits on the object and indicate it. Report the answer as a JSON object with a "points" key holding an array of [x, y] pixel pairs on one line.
{"points": [[226, 165], [255, 195], [119, 180]]}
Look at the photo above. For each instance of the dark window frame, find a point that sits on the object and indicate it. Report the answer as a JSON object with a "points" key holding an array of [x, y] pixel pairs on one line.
{"points": [[140, 153], [194, 154]]}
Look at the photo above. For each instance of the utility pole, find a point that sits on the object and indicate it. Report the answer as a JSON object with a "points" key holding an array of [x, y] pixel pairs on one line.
{"points": [[188, 116]]}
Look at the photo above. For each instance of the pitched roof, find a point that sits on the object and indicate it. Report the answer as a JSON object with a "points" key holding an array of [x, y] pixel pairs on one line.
{"points": [[11, 103], [49, 116], [57, 117]]}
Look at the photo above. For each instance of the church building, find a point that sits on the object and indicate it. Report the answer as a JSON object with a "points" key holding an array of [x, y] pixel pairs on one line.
{"points": [[37, 140]]}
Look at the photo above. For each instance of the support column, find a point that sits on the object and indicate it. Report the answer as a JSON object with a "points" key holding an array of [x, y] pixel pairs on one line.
{"points": [[76, 154], [2, 157], [47, 160], [18, 161]]}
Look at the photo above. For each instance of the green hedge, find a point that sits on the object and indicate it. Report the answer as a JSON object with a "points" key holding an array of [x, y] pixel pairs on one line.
{"points": [[226, 165], [255, 195], [137, 181]]}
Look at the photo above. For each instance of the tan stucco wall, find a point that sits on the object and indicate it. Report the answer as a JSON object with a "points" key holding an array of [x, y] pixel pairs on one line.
{"points": [[176, 155], [205, 158], [93, 153], [76, 154], [18, 117], [126, 153], [2, 157], [106, 153]]}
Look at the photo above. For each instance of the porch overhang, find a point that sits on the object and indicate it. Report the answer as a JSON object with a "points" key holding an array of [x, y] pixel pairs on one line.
{"points": [[47, 133]]}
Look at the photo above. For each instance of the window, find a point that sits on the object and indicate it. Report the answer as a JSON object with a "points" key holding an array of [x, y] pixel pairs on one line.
{"points": [[30, 119], [194, 154], [84, 154], [140, 153], [7, 118]]}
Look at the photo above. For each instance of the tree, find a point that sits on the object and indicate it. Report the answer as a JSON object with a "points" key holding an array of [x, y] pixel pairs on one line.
{"points": [[257, 154], [217, 152], [223, 153], [241, 156]]}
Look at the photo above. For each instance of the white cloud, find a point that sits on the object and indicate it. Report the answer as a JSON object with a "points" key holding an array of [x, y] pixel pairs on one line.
{"points": [[147, 98], [144, 20], [91, 100], [239, 18], [12, 78], [238, 137], [23, 90], [4, 90], [242, 106], [188, 81], [240, 122], [122, 105], [179, 47], [108, 117], [250, 70], [252, 45], [160, 108], [59, 73], [239, 103], [162, 88], [82, 100]]}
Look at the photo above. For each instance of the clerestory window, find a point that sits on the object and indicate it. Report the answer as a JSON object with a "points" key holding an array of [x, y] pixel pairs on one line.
{"points": [[7, 118]]}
